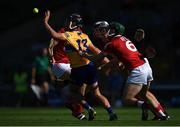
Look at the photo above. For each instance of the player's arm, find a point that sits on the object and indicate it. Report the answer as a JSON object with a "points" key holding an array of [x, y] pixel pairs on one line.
{"points": [[50, 49], [99, 56], [96, 57], [53, 33], [114, 63], [106, 68], [51, 46]]}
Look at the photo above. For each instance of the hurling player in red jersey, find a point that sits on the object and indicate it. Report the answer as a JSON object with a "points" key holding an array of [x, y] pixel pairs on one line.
{"points": [[148, 52], [140, 72]]}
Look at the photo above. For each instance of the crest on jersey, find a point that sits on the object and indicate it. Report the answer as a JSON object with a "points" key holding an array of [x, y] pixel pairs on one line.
{"points": [[67, 35]]}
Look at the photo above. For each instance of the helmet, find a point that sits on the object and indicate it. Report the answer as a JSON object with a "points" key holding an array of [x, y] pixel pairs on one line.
{"points": [[100, 29], [116, 28], [74, 21], [101, 24]]}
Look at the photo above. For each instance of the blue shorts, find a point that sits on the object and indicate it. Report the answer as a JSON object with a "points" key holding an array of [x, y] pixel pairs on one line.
{"points": [[84, 74]]}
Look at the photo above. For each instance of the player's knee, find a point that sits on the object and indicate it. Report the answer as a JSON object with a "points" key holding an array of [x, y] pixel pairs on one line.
{"points": [[97, 94], [96, 91]]}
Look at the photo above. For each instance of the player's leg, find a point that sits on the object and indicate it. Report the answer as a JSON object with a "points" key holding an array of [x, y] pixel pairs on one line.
{"points": [[155, 102], [76, 109], [136, 84], [144, 106], [74, 101], [150, 102], [136, 81], [129, 95], [92, 82], [154, 105], [92, 113], [62, 72], [104, 101], [158, 104], [81, 92], [78, 95], [80, 76]]}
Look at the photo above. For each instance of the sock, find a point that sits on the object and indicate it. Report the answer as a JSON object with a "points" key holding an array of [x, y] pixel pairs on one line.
{"points": [[159, 105], [161, 113], [140, 103], [86, 106], [152, 108], [109, 110], [159, 110]]}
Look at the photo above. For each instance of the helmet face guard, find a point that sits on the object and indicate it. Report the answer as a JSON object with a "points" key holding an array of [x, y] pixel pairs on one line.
{"points": [[100, 29], [73, 21]]}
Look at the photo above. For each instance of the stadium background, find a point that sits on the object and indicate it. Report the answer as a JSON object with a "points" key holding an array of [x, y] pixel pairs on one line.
{"points": [[22, 34]]}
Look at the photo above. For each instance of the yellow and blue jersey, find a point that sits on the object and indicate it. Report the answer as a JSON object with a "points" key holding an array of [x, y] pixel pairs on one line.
{"points": [[77, 41]]}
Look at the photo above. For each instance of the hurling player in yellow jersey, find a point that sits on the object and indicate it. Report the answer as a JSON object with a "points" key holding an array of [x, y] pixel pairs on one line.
{"points": [[83, 71]]}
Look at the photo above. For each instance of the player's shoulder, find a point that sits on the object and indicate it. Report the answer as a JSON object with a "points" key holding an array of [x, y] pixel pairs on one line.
{"points": [[68, 34], [73, 33], [82, 34], [123, 38], [118, 40]]}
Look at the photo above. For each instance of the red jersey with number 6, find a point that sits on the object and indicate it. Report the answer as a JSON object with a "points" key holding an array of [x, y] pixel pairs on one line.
{"points": [[125, 51]]}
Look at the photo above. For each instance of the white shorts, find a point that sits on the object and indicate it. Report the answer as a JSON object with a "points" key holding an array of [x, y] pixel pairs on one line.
{"points": [[59, 69], [141, 74]]}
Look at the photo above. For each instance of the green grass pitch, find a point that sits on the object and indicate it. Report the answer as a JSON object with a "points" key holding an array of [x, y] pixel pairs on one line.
{"points": [[62, 117]]}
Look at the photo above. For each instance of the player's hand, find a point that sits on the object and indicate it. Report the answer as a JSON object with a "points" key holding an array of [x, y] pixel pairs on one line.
{"points": [[47, 16], [83, 54]]}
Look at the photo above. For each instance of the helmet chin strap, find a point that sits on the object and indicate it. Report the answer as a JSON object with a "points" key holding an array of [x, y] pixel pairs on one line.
{"points": [[70, 26]]}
